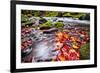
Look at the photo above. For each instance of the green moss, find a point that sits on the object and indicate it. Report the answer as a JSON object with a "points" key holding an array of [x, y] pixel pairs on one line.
{"points": [[50, 14], [59, 25], [24, 18], [36, 13], [85, 51], [47, 24], [73, 14], [66, 14], [26, 22], [29, 15], [85, 17]]}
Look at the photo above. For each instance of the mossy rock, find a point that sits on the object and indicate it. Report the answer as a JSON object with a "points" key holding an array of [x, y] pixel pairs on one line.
{"points": [[85, 17], [29, 15], [85, 51], [66, 14], [73, 14], [29, 22], [37, 13], [24, 18], [51, 14], [42, 20], [59, 25], [48, 24]]}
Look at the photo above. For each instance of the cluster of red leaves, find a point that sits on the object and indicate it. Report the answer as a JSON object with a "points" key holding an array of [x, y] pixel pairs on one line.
{"points": [[66, 51], [26, 31], [26, 42]]}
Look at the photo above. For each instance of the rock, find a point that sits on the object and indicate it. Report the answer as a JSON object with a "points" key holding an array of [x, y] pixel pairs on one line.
{"points": [[85, 17], [85, 51], [52, 30], [42, 20]]}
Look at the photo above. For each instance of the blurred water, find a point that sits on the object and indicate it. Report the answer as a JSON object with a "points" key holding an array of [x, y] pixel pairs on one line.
{"points": [[65, 19], [43, 48]]}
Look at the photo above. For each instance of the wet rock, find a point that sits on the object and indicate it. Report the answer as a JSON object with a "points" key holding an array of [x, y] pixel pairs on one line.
{"points": [[42, 20], [52, 30]]}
